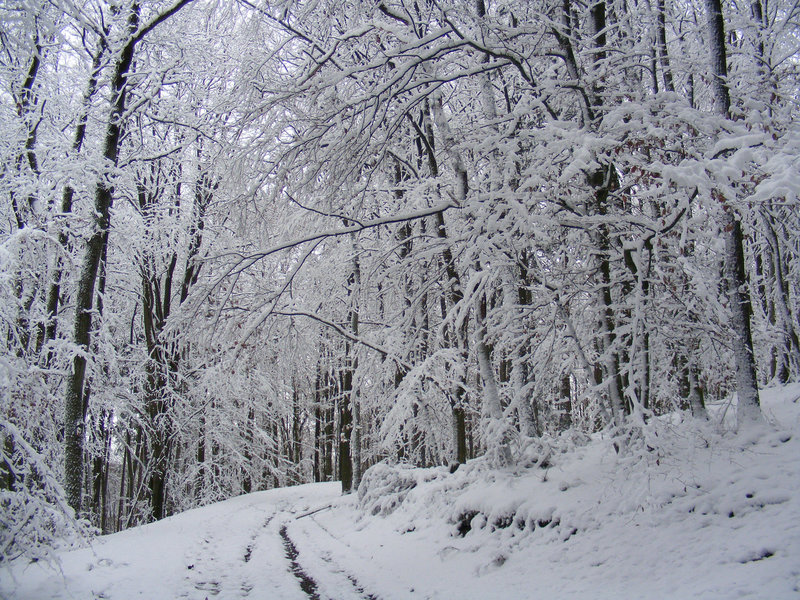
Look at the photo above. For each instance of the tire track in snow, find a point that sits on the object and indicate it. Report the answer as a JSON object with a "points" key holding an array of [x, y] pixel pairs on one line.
{"points": [[358, 587], [213, 569], [308, 585], [248, 552], [304, 577]]}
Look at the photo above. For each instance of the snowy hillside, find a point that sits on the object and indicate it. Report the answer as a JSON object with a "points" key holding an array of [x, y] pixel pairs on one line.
{"points": [[684, 512]]}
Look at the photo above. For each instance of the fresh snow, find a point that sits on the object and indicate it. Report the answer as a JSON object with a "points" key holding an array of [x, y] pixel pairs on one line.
{"points": [[685, 510]]}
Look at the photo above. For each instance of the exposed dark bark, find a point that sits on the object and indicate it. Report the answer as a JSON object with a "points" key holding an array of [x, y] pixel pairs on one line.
{"points": [[602, 182], [718, 57], [663, 55], [454, 293], [738, 293], [455, 296], [345, 425], [318, 442], [27, 102], [54, 289], [350, 437], [788, 362], [565, 403], [73, 405], [328, 431]]}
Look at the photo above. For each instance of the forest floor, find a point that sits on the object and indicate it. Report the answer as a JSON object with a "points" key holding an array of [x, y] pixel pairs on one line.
{"points": [[685, 510]]}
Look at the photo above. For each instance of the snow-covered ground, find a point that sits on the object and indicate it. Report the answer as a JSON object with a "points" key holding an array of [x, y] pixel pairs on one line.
{"points": [[686, 511]]}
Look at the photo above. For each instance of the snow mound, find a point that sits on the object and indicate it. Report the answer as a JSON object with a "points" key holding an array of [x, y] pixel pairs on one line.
{"points": [[686, 508]]}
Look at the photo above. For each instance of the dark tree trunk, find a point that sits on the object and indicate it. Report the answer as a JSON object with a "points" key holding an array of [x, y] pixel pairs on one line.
{"points": [[787, 363], [602, 183], [565, 403], [460, 433], [739, 297], [663, 55], [718, 57], [157, 484], [327, 461], [454, 292], [459, 340], [54, 289], [296, 456], [741, 309], [345, 426], [318, 442], [201, 457], [528, 404], [247, 476], [73, 405]]}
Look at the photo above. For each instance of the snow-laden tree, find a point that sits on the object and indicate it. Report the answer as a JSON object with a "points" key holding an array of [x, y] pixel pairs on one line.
{"points": [[580, 149], [256, 244]]}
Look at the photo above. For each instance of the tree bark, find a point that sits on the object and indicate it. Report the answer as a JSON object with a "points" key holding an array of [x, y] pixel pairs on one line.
{"points": [[54, 289], [355, 444], [494, 429], [749, 406], [663, 55], [345, 424], [741, 310]]}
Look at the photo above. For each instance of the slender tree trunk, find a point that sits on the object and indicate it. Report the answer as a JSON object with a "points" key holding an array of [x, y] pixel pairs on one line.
{"points": [[565, 403], [455, 336], [782, 314], [458, 340], [27, 101], [601, 183], [296, 448], [73, 405], [355, 445], [327, 462], [663, 55], [54, 289], [459, 424], [749, 409], [718, 57], [527, 404], [741, 310], [494, 429], [346, 424], [318, 441], [696, 399], [247, 476], [456, 289]]}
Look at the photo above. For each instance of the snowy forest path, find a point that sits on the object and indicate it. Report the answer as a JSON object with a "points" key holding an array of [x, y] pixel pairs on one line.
{"points": [[258, 546], [286, 554], [722, 511], [222, 565]]}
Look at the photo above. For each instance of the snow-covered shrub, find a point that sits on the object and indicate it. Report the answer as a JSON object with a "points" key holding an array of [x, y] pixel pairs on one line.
{"points": [[543, 451], [34, 516], [384, 487]]}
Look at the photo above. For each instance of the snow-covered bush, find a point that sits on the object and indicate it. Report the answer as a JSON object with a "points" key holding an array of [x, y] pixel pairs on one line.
{"points": [[34, 516], [384, 487]]}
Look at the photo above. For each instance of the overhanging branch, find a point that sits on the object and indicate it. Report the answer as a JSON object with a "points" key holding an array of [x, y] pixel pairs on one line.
{"points": [[344, 333]]}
